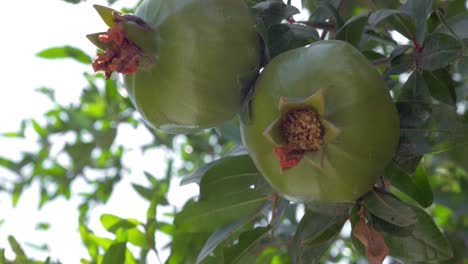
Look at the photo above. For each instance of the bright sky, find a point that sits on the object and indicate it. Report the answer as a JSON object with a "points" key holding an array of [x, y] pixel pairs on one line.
{"points": [[29, 26]]}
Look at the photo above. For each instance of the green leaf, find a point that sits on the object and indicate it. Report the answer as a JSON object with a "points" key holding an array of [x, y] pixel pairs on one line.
{"points": [[458, 24], [269, 13], [420, 11], [17, 191], [401, 64], [439, 51], [207, 216], [116, 254], [144, 192], [462, 66], [328, 232], [15, 246], [198, 174], [415, 90], [42, 226], [353, 29], [429, 128], [415, 186], [389, 208], [284, 37], [401, 60], [230, 130], [399, 50], [399, 20], [424, 243], [246, 250], [137, 238], [312, 225], [65, 52], [231, 178], [113, 223], [42, 132], [441, 86], [273, 12], [218, 237]]}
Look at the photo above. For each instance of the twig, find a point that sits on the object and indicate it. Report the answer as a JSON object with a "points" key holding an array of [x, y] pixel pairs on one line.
{"points": [[320, 25], [382, 61]]}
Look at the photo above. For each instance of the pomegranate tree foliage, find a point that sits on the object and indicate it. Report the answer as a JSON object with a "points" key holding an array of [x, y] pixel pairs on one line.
{"points": [[416, 214]]}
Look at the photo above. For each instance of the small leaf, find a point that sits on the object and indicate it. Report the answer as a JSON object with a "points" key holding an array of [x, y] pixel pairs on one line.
{"points": [[328, 232], [376, 249], [310, 226], [415, 89], [425, 242], [458, 24], [198, 174], [420, 11], [401, 64], [207, 216], [389, 208], [441, 86], [246, 250], [439, 51], [17, 191], [42, 226], [15, 246], [230, 130], [399, 20], [429, 128], [284, 37], [400, 60], [65, 52], [144, 192], [137, 238], [273, 12], [399, 50], [353, 29], [415, 186], [462, 66], [231, 178], [42, 132], [115, 254], [216, 238], [113, 223]]}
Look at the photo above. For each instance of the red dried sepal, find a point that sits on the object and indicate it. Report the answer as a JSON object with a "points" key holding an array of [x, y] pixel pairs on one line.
{"points": [[122, 56], [289, 156]]}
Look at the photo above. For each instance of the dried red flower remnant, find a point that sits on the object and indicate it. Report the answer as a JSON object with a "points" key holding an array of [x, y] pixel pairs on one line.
{"points": [[289, 156], [302, 130], [122, 56]]}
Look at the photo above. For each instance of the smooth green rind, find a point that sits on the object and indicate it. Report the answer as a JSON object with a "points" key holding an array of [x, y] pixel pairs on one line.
{"points": [[203, 48], [357, 102]]}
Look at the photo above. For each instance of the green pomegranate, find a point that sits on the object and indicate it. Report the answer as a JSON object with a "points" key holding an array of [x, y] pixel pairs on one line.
{"points": [[323, 125], [184, 61]]}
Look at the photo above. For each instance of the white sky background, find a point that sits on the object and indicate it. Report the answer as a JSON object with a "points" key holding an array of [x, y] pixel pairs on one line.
{"points": [[29, 26]]}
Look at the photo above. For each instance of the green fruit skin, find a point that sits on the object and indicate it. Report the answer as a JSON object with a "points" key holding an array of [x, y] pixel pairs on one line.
{"points": [[202, 49], [357, 101]]}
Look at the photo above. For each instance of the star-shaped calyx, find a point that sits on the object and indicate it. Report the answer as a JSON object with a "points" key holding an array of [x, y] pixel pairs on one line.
{"points": [[121, 54], [301, 131]]}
